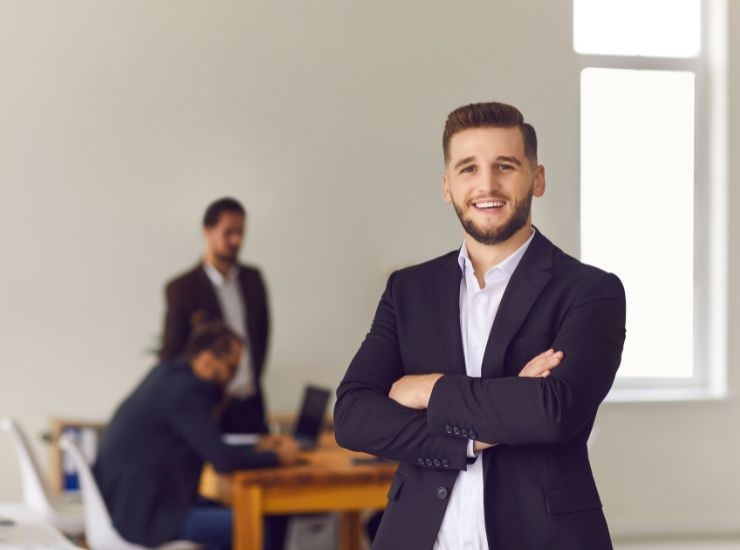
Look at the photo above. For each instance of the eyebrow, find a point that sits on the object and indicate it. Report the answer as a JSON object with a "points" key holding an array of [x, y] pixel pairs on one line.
{"points": [[512, 160], [499, 158], [461, 162]]}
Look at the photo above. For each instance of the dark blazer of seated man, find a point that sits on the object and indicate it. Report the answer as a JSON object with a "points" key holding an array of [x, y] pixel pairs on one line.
{"points": [[151, 454], [505, 349]]}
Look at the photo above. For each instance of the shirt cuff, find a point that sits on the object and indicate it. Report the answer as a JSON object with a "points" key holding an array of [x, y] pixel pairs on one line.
{"points": [[471, 453]]}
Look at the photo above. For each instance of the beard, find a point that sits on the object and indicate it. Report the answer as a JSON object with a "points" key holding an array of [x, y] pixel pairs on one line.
{"points": [[498, 233], [227, 256]]}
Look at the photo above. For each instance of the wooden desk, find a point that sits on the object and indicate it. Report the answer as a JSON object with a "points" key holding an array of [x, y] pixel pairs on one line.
{"points": [[330, 482]]}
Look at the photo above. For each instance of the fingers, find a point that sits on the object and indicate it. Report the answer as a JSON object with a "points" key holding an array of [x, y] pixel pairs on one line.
{"points": [[541, 365], [284, 446], [288, 451], [270, 442], [414, 390], [264, 443], [482, 446]]}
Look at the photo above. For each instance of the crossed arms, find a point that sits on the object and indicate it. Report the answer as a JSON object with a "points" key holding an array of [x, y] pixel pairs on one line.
{"points": [[414, 390], [382, 410]]}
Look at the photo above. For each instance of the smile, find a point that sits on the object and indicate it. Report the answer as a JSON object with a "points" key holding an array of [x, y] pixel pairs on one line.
{"points": [[485, 205]]}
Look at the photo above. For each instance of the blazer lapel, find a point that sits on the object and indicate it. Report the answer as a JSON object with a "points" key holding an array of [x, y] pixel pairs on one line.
{"points": [[526, 283], [445, 294]]}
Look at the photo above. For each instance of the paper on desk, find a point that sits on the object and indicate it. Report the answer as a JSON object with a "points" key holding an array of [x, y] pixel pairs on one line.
{"points": [[240, 439]]}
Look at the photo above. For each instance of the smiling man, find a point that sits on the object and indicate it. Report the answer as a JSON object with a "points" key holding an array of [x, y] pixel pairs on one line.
{"points": [[484, 368]]}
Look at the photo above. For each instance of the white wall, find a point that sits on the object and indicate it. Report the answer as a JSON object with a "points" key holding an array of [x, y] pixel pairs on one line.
{"points": [[119, 122]]}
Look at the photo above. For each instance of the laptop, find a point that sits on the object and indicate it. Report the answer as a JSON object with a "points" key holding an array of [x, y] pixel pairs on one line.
{"points": [[311, 417], [308, 426]]}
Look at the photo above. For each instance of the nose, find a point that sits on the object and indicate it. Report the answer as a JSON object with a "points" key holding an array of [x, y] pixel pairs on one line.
{"points": [[489, 181]]}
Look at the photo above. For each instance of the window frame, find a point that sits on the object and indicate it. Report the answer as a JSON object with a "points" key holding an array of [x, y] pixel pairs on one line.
{"points": [[710, 315]]}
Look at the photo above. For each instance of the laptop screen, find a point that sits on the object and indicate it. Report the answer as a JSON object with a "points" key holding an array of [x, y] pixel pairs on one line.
{"points": [[311, 417]]}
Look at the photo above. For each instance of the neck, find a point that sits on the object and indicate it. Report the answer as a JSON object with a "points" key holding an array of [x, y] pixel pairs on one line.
{"points": [[485, 256], [222, 266]]}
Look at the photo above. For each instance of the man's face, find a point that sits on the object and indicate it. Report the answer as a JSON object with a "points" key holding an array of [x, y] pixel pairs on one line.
{"points": [[490, 182], [224, 368], [224, 239]]}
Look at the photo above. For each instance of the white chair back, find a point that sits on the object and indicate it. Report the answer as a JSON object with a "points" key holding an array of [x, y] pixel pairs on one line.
{"points": [[35, 491], [99, 531], [64, 515]]}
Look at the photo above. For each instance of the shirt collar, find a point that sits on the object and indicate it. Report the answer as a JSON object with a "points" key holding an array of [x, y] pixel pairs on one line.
{"points": [[215, 275], [506, 267]]}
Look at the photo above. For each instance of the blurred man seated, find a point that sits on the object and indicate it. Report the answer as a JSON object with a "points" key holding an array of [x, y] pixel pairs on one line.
{"points": [[152, 452]]}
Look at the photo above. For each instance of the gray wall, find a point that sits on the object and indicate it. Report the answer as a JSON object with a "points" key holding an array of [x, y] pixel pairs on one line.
{"points": [[120, 121]]}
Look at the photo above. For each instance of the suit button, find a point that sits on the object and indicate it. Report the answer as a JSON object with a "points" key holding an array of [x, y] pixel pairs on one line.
{"points": [[448, 429], [445, 463], [464, 432], [420, 461], [437, 462], [456, 430], [473, 434], [429, 462], [441, 493]]}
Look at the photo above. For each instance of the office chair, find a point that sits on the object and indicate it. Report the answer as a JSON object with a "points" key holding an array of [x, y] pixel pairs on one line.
{"points": [[99, 531], [65, 516]]}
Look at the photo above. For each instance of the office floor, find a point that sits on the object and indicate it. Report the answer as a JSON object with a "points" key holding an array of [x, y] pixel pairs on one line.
{"points": [[696, 544], [676, 545], [680, 545]]}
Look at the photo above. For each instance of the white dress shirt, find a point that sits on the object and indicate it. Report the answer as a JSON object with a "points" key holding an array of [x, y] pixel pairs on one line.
{"points": [[229, 294], [463, 526]]}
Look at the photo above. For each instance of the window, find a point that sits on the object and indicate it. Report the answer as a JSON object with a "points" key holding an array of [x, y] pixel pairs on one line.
{"points": [[653, 183]]}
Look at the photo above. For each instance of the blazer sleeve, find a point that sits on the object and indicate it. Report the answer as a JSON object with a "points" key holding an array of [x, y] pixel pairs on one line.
{"points": [[176, 323], [366, 419], [521, 411], [191, 417]]}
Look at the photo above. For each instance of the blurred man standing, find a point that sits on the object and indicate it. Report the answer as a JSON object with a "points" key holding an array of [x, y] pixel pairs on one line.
{"points": [[221, 288]]}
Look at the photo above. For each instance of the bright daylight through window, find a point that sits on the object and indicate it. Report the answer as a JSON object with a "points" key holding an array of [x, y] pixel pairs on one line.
{"points": [[646, 189]]}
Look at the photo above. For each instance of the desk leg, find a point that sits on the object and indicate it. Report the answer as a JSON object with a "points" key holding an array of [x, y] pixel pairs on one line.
{"points": [[248, 518], [349, 531]]}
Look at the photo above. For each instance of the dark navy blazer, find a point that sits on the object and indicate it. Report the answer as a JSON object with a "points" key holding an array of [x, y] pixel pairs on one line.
{"points": [[539, 489], [152, 452]]}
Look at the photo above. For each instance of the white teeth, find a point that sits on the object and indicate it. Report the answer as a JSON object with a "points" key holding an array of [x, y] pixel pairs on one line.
{"points": [[489, 204]]}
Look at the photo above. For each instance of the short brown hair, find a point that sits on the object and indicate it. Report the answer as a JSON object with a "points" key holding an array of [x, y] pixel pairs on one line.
{"points": [[209, 335], [216, 208], [489, 115]]}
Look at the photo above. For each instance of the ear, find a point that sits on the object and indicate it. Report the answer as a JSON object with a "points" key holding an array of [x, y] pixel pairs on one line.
{"points": [[446, 188], [539, 181]]}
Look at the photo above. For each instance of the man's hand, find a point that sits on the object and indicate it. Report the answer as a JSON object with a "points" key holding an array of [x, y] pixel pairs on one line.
{"points": [[414, 390], [284, 446], [479, 446], [542, 364]]}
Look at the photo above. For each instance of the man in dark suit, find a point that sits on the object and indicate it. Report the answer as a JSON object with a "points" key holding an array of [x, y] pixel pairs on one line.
{"points": [[221, 288], [152, 452], [484, 368]]}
